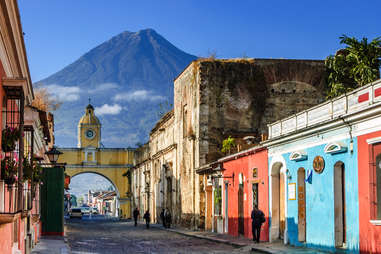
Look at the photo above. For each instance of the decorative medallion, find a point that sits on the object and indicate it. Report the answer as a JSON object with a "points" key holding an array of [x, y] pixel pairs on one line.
{"points": [[318, 164]]}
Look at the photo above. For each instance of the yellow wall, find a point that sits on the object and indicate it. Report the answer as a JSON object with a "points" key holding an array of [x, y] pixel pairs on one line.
{"points": [[86, 142], [110, 163]]}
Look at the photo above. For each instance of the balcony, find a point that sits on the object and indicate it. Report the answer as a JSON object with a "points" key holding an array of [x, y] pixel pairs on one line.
{"points": [[353, 102], [9, 210]]}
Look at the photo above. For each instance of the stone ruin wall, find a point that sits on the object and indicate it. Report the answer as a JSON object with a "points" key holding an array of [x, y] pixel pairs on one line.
{"points": [[243, 96]]}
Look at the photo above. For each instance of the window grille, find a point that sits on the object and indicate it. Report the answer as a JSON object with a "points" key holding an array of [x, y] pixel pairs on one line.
{"points": [[13, 117]]}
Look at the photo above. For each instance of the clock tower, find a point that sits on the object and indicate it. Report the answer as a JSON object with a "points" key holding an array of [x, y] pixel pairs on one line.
{"points": [[89, 129]]}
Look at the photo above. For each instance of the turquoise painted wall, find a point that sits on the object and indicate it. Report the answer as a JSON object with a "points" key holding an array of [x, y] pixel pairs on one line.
{"points": [[320, 199]]}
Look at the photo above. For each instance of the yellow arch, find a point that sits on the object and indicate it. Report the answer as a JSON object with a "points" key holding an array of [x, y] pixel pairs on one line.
{"points": [[111, 163]]}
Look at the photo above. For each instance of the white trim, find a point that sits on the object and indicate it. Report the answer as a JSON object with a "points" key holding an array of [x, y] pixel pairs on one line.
{"points": [[373, 140], [335, 147], [376, 222]]}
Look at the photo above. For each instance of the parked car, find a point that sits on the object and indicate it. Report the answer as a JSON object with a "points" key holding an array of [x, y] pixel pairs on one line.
{"points": [[94, 210], [85, 210], [76, 213]]}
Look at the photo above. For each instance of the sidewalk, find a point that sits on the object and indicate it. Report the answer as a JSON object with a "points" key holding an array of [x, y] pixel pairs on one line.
{"points": [[51, 245], [241, 242]]}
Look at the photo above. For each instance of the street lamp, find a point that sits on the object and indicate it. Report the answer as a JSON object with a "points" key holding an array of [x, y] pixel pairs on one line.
{"points": [[53, 155]]}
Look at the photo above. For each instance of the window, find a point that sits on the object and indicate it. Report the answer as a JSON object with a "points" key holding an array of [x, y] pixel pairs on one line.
{"points": [[375, 159]]}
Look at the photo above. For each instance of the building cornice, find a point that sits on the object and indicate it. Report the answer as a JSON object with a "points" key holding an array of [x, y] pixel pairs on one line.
{"points": [[325, 126], [163, 151]]}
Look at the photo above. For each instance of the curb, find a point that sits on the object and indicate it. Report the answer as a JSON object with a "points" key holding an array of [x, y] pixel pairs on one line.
{"points": [[238, 245], [261, 250]]}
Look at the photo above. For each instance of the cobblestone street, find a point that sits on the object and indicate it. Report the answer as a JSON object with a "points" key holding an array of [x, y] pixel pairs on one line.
{"points": [[122, 237]]}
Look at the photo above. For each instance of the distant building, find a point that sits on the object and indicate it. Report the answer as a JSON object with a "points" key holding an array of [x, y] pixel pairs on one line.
{"points": [[90, 157]]}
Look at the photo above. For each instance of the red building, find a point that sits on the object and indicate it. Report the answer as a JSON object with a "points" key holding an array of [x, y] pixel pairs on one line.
{"points": [[245, 185], [369, 180]]}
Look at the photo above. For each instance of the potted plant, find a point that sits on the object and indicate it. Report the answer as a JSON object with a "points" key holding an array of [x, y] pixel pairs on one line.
{"points": [[27, 169], [9, 138], [37, 173], [9, 171]]}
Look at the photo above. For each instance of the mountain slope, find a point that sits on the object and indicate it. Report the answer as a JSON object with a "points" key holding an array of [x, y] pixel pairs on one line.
{"points": [[126, 78]]}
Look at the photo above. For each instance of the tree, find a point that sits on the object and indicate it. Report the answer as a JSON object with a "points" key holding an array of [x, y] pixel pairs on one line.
{"points": [[228, 144], [356, 65], [45, 101]]}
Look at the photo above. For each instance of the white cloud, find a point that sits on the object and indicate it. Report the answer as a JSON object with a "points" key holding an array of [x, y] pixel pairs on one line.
{"points": [[104, 87], [108, 109], [64, 93], [139, 95]]}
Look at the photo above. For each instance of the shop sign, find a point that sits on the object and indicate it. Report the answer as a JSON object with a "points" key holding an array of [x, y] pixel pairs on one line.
{"points": [[291, 191]]}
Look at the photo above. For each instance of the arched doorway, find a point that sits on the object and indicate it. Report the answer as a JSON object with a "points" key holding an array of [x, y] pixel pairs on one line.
{"points": [[278, 223], [96, 191], [339, 203]]}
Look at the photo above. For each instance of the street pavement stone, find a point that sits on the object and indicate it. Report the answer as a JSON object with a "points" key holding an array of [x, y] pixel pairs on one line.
{"points": [[51, 245], [113, 237]]}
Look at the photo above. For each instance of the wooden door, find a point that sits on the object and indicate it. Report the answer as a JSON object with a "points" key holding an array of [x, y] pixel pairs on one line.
{"points": [[209, 215], [255, 195], [301, 206], [241, 227], [339, 203], [282, 221]]}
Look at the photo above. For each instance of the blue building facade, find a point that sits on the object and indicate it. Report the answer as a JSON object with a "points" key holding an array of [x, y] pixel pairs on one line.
{"points": [[311, 209]]}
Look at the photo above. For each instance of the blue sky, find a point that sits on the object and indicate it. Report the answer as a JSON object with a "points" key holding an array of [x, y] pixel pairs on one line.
{"points": [[58, 32]]}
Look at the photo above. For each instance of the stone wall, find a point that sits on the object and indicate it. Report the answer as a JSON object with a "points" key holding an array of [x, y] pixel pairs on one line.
{"points": [[217, 98], [243, 96], [212, 100]]}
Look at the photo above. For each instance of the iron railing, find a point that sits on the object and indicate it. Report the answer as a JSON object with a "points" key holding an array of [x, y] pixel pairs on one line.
{"points": [[9, 198]]}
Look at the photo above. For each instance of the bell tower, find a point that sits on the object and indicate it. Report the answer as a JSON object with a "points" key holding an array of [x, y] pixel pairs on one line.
{"points": [[89, 129]]}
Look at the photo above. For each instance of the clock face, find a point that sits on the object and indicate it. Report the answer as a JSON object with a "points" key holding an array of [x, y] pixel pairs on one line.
{"points": [[90, 134]]}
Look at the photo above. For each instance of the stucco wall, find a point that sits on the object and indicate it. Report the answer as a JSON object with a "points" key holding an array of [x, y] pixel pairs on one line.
{"points": [[245, 165], [320, 217], [370, 235]]}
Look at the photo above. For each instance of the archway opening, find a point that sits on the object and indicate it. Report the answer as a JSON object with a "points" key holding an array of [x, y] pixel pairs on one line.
{"points": [[278, 222], [93, 193]]}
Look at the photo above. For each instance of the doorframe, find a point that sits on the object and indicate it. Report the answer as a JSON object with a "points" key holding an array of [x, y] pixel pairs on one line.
{"points": [[226, 207], [277, 166]]}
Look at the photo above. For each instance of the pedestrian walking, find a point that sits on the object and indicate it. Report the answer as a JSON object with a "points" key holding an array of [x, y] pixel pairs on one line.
{"points": [[136, 215], [147, 218], [168, 218], [258, 218], [162, 217]]}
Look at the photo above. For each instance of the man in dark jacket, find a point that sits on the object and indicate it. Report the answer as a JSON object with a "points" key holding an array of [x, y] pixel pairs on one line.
{"points": [[162, 217], [257, 217], [168, 218], [136, 215], [147, 217]]}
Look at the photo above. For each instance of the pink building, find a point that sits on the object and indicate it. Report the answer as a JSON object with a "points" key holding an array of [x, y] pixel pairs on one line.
{"points": [[20, 225]]}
